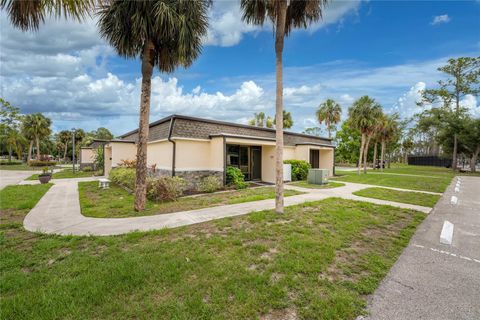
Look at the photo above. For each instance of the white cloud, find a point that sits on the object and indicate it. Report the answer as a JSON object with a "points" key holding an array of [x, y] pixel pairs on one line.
{"points": [[227, 28], [406, 105], [444, 18]]}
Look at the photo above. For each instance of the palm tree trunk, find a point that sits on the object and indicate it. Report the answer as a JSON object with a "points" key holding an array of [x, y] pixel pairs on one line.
{"points": [[362, 145], [38, 147], [143, 127], [30, 147], [365, 154], [375, 155], [279, 40], [329, 131], [454, 157], [382, 158]]}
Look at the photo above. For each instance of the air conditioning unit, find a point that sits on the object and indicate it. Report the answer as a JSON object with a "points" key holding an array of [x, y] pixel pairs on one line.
{"points": [[317, 176]]}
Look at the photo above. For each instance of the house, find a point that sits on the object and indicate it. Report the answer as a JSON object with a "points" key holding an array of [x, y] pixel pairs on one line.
{"points": [[194, 148]]}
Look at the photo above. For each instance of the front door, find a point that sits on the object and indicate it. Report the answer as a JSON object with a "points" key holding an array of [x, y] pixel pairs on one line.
{"points": [[256, 163], [315, 158]]}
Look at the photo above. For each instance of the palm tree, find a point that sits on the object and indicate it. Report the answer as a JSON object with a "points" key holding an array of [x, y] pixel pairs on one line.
{"points": [[364, 114], [287, 119], [28, 133], [388, 131], [330, 113], [284, 15], [40, 129], [166, 34], [15, 141], [64, 137], [258, 120], [29, 14]]}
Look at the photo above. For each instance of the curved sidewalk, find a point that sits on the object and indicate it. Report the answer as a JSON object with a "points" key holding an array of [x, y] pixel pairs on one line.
{"points": [[58, 212]]}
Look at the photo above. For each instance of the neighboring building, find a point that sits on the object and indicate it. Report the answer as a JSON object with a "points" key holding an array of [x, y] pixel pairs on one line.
{"points": [[194, 148]]}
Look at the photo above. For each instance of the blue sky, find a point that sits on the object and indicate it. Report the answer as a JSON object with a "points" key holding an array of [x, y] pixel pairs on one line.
{"points": [[386, 49]]}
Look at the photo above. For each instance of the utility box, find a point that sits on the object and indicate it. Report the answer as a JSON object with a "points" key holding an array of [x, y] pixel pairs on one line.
{"points": [[287, 172], [317, 176]]}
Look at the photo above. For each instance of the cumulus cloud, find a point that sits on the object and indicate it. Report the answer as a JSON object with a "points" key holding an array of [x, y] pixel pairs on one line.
{"points": [[227, 28], [444, 18], [406, 106]]}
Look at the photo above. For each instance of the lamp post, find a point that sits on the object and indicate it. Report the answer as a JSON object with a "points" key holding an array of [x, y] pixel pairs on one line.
{"points": [[73, 150]]}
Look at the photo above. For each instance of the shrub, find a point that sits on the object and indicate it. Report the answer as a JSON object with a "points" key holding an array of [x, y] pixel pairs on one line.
{"points": [[38, 163], [299, 169], [124, 177], [87, 169], [128, 163], [165, 188], [210, 184], [9, 163], [235, 178]]}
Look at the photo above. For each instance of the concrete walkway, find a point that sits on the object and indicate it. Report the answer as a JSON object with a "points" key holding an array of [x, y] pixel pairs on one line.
{"points": [[58, 212], [431, 280], [12, 177]]}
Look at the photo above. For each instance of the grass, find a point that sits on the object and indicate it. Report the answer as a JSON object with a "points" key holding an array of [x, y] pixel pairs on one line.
{"points": [[305, 184], [20, 167], [316, 261], [433, 184], [421, 199], [66, 174], [115, 202]]}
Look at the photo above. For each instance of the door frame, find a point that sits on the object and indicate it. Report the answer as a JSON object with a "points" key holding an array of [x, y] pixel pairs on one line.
{"points": [[252, 161]]}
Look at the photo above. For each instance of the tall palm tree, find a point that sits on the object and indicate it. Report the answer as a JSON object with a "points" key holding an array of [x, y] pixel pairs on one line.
{"points": [[389, 129], [166, 34], [28, 133], [363, 115], [15, 142], [329, 112], [64, 137], [40, 129], [285, 16], [29, 14]]}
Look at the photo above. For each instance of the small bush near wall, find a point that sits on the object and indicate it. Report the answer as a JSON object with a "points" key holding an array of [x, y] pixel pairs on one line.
{"points": [[299, 169], [87, 169], [124, 177], [39, 163], [210, 184], [165, 188], [128, 163], [235, 178]]}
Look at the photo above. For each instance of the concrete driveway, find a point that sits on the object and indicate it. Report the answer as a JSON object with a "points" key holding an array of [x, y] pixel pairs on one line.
{"points": [[437, 281], [11, 177]]}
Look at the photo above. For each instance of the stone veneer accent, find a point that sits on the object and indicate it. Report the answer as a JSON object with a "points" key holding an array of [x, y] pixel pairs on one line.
{"points": [[193, 178]]}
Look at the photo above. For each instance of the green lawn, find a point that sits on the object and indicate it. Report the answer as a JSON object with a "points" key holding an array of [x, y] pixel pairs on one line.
{"points": [[305, 184], [433, 184], [20, 167], [115, 202], [421, 199], [316, 261], [66, 174]]}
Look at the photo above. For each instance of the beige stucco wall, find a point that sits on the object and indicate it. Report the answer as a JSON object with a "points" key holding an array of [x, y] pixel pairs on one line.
{"points": [[160, 153], [326, 160], [216, 154], [123, 151], [193, 155], [87, 155], [108, 159], [268, 164], [209, 154]]}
